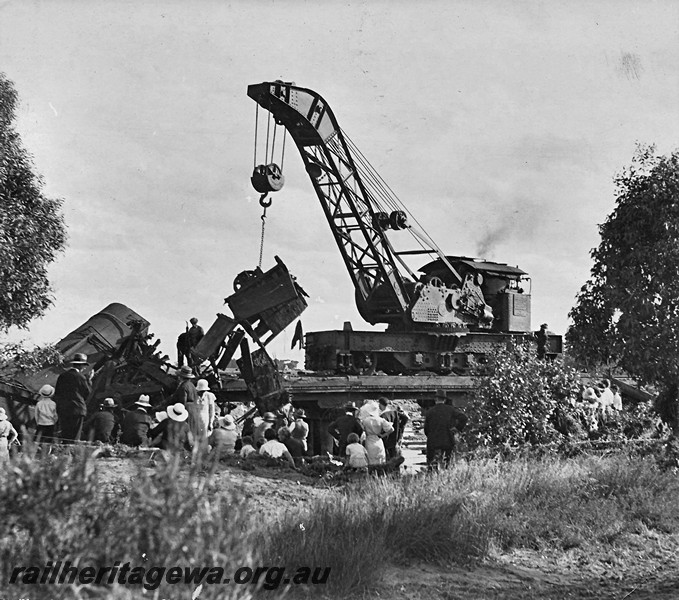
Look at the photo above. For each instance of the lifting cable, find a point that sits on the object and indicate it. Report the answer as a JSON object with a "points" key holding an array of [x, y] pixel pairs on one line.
{"points": [[269, 169], [254, 164], [261, 242]]}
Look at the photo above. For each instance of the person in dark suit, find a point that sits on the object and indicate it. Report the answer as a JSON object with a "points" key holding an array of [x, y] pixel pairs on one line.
{"points": [[71, 392], [103, 426], [195, 333], [441, 422], [137, 423], [398, 419], [341, 427]]}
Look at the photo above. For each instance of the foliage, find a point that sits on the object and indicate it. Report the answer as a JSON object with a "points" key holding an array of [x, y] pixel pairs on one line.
{"points": [[520, 399], [16, 359], [61, 508], [56, 508], [32, 230], [628, 311]]}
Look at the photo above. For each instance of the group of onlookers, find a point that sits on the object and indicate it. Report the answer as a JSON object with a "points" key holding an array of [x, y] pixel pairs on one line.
{"points": [[369, 435], [190, 419], [597, 402]]}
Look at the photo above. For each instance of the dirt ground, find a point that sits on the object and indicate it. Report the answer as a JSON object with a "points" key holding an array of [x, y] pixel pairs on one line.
{"points": [[642, 567]]}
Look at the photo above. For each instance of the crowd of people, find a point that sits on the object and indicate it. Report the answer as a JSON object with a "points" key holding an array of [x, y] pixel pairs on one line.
{"points": [[598, 402], [369, 435], [190, 419]]}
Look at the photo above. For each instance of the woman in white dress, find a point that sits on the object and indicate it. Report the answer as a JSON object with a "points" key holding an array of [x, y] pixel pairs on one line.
{"points": [[8, 436], [376, 429]]}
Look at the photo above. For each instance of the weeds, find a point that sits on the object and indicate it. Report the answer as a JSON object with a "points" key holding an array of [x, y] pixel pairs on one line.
{"points": [[53, 508]]}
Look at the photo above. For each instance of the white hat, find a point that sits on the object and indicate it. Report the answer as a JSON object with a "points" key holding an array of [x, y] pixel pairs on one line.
{"points": [[161, 416], [227, 422], [3, 414], [46, 391], [177, 412], [144, 401], [202, 385]]}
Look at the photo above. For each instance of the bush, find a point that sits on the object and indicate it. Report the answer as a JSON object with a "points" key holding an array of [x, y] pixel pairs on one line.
{"points": [[520, 399], [55, 510], [17, 360]]}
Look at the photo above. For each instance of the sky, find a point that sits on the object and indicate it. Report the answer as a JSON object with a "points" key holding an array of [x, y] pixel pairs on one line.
{"points": [[499, 125]]}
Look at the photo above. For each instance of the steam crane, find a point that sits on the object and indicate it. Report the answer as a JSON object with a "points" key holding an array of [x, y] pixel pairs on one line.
{"points": [[438, 315]]}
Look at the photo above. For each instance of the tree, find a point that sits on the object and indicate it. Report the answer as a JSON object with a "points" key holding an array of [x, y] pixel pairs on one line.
{"points": [[32, 230], [628, 311]]}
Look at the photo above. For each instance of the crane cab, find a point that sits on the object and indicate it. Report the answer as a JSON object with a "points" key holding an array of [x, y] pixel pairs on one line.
{"points": [[505, 289]]}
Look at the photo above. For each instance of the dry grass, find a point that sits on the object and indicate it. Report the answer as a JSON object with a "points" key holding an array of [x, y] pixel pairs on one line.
{"points": [[54, 509]]}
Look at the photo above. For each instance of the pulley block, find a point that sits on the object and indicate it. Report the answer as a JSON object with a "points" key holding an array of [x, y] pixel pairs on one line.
{"points": [[267, 178], [381, 221], [398, 220]]}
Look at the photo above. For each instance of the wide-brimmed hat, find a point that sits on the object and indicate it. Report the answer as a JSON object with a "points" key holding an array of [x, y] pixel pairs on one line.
{"points": [[350, 406], [441, 394], [186, 372], [144, 401], [3, 414], [177, 412], [46, 391], [202, 385], [108, 403], [269, 417], [299, 413], [79, 359], [161, 416], [227, 422]]}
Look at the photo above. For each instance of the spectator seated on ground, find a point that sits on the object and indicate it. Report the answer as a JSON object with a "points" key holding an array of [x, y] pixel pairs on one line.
{"points": [[173, 433], [272, 448], [356, 455], [136, 424], [102, 426], [295, 447], [223, 439], [248, 447]]}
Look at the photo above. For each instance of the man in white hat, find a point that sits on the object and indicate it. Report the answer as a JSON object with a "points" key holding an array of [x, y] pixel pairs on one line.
{"points": [[70, 395], [45, 414], [137, 423], [223, 439], [174, 432]]}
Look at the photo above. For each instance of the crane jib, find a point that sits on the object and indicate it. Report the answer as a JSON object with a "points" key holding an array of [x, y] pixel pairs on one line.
{"points": [[288, 103], [360, 209]]}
